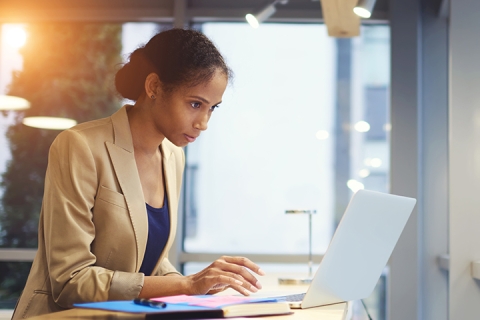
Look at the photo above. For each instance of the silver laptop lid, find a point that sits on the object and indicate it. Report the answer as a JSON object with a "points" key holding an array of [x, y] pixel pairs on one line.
{"points": [[360, 248]]}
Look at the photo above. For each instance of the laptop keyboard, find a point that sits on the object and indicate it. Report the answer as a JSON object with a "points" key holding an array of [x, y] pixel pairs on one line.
{"points": [[292, 297]]}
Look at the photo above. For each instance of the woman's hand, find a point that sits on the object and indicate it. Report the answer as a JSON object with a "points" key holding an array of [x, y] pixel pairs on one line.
{"points": [[226, 272]]}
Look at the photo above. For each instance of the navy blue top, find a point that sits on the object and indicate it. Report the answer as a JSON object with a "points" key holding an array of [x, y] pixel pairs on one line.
{"points": [[158, 231]]}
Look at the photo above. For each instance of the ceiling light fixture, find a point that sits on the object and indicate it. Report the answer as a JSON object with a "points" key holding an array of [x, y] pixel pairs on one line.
{"points": [[263, 14], [355, 185], [362, 126], [52, 123], [13, 103], [364, 173], [364, 8]]}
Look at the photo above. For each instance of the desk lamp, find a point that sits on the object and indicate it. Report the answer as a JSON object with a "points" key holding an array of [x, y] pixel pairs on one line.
{"points": [[307, 280]]}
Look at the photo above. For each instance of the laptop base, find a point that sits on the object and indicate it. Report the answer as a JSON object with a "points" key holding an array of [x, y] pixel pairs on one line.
{"points": [[295, 281]]}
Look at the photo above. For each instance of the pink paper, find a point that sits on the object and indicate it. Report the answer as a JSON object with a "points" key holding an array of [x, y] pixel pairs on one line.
{"points": [[176, 299], [211, 302]]}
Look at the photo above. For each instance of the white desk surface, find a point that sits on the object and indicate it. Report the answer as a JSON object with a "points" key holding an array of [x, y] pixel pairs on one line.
{"points": [[270, 288]]}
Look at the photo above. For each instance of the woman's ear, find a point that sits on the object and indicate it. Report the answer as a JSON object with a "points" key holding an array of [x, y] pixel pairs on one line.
{"points": [[152, 86]]}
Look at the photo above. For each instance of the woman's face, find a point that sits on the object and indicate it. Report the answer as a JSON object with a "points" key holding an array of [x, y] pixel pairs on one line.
{"points": [[183, 114]]}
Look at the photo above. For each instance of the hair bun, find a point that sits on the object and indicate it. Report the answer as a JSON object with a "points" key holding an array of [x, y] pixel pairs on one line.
{"points": [[130, 79]]}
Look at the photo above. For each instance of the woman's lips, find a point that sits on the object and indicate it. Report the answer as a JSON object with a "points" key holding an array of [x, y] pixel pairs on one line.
{"points": [[190, 138]]}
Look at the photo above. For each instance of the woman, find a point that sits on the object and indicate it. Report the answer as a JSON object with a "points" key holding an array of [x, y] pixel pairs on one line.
{"points": [[112, 186]]}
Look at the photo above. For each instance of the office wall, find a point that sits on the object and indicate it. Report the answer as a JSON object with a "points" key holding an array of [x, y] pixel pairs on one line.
{"points": [[464, 157]]}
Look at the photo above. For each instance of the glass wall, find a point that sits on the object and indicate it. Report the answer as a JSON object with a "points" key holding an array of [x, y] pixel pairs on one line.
{"points": [[14, 230], [264, 152]]}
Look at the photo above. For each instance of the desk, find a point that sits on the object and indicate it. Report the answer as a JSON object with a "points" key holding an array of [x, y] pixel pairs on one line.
{"points": [[270, 288]]}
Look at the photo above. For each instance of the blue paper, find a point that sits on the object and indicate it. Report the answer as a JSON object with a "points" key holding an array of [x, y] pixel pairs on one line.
{"points": [[129, 306]]}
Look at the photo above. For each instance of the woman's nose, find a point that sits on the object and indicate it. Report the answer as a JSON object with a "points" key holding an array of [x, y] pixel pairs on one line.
{"points": [[201, 122]]}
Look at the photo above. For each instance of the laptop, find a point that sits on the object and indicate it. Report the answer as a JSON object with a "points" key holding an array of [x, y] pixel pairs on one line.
{"points": [[359, 250]]}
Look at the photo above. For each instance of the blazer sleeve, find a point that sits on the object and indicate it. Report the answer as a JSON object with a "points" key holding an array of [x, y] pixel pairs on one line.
{"points": [[166, 268], [70, 190]]}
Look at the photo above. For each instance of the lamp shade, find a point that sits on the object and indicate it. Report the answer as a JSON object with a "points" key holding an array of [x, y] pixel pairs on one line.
{"points": [[364, 8], [252, 20], [261, 16], [52, 123], [13, 103], [266, 13]]}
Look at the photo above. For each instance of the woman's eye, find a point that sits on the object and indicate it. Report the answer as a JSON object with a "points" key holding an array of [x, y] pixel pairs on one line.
{"points": [[195, 105], [214, 107]]}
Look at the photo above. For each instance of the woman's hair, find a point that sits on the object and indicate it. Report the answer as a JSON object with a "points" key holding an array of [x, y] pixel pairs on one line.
{"points": [[179, 57]]}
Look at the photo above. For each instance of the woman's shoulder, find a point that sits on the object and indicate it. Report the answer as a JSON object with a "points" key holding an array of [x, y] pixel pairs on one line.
{"points": [[93, 124], [88, 133], [91, 130], [98, 128]]}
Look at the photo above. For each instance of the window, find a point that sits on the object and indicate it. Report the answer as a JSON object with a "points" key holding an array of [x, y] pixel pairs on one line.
{"points": [[273, 143]]}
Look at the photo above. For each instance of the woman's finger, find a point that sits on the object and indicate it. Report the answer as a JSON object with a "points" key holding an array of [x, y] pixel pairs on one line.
{"points": [[239, 269], [227, 271], [230, 279], [218, 288], [242, 261], [224, 280]]}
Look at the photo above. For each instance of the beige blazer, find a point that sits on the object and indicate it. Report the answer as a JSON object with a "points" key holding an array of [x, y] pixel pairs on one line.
{"points": [[93, 224]]}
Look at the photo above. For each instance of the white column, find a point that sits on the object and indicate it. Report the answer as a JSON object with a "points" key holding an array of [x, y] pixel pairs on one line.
{"points": [[464, 157]]}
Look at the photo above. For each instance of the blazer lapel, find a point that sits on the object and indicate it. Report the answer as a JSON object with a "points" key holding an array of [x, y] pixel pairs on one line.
{"points": [[170, 175], [123, 160]]}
